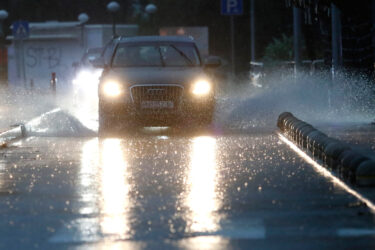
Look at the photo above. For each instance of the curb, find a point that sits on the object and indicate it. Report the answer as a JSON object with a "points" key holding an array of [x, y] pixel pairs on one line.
{"points": [[17, 132], [335, 155]]}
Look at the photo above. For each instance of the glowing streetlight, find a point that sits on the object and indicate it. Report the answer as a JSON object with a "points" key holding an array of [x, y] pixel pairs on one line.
{"points": [[113, 7], [3, 16], [83, 18], [151, 9]]}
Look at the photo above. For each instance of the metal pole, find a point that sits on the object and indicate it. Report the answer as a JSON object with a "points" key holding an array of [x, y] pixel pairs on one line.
{"points": [[23, 64], [1, 30], [252, 29], [53, 83], [82, 36], [2, 55], [336, 48], [114, 25], [336, 40], [233, 56], [297, 16]]}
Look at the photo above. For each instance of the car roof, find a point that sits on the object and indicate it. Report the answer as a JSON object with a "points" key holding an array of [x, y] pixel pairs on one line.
{"points": [[156, 39]]}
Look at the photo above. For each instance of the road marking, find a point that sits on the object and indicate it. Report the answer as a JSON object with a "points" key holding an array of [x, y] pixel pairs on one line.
{"points": [[326, 173], [355, 232]]}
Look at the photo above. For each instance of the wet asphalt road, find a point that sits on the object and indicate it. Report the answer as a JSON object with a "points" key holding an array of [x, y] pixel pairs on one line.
{"points": [[160, 190]]}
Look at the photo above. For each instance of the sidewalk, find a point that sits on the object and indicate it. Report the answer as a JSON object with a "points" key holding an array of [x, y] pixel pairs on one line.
{"points": [[360, 135]]}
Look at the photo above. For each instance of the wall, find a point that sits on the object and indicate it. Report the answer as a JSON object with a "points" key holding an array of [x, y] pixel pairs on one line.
{"points": [[54, 48]]}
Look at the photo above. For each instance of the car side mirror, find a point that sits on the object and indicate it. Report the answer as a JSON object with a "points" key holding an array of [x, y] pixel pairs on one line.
{"points": [[212, 62], [98, 62]]}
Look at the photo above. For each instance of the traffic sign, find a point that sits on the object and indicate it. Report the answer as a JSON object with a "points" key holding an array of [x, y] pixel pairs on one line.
{"points": [[231, 7], [20, 29]]}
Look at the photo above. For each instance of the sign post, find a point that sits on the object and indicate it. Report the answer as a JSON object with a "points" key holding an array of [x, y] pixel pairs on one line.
{"points": [[232, 8], [20, 31]]}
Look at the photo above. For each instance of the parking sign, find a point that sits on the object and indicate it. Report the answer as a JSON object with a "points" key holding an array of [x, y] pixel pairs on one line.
{"points": [[231, 7]]}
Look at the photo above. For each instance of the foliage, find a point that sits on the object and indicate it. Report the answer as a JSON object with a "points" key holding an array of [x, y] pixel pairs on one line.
{"points": [[280, 49]]}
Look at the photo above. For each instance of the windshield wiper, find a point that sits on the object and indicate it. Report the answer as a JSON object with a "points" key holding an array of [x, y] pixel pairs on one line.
{"points": [[161, 57], [182, 54]]}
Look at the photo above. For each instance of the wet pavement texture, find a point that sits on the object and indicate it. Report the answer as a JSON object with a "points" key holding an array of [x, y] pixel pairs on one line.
{"points": [[234, 186], [173, 191]]}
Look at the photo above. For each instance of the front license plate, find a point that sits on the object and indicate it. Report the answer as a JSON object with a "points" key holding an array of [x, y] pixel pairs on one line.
{"points": [[157, 105]]}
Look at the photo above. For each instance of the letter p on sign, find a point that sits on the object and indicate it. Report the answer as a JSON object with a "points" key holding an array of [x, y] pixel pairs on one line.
{"points": [[231, 7]]}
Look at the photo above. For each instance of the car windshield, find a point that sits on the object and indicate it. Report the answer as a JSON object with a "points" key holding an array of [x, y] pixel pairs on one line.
{"points": [[156, 55]]}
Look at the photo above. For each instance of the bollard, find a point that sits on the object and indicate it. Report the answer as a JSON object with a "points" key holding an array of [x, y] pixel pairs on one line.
{"points": [[281, 118], [345, 158], [53, 83], [31, 84], [304, 133], [332, 151], [294, 129], [315, 141], [310, 137], [334, 154], [353, 165], [365, 173], [298, 133], [289, 121]]}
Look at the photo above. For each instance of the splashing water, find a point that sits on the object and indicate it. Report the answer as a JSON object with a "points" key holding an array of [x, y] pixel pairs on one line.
{"points": [[247, 106]]}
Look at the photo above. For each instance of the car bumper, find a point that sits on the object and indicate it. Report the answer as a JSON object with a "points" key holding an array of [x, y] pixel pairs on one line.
{"points": [[184, 108]]}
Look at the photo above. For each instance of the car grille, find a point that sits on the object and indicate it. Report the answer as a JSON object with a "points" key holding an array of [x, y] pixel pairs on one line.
{"points": [[167, 97]]}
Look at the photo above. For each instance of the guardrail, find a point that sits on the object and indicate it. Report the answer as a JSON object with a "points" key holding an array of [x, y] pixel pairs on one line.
{"points": [[334, 154], [308, 66]]}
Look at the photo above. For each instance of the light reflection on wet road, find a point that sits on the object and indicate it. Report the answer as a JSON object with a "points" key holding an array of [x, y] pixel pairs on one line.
{"points": [[172, 191]]}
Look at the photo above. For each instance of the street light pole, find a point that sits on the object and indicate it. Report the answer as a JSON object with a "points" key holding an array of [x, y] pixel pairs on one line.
{"points": [[252, 29], [151, 9], [3, 16], [83, 18], [297, 17], [113, 7]]}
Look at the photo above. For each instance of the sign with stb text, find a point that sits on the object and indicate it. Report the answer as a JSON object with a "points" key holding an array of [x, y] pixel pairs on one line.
{"points": [[231, 7]]}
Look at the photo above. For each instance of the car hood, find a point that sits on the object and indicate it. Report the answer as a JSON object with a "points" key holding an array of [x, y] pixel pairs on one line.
{"points": [[159, 75]]}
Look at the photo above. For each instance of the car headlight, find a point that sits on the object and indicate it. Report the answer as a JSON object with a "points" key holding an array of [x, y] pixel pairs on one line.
{"points": [[112, 89], [201, 87]]}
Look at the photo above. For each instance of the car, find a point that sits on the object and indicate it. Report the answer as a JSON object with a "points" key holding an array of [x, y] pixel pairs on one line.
{"points": [[86, 77], [155, 81]]}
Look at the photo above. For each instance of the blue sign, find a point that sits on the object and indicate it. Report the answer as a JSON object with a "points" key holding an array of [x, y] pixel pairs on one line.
{"points": [[20, 29], [231, 7]]}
